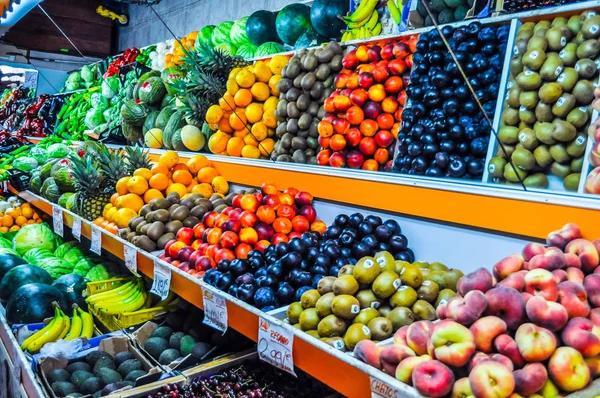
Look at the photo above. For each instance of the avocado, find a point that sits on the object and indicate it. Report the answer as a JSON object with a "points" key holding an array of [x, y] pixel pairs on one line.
{"points": [[122, 356], [436, 5], [92, 384], [78, 366], [175, 340], [156, 345], [135, 374], [109, 376], [94, 356], [79, 377], [63, 388], [106, 362], [200, 349], [186, 345], [162, 331], [58, 375], [129, 366], [168, 356]]}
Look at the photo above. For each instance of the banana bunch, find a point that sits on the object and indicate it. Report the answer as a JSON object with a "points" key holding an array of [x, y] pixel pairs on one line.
{"points": [[60, 327], [395, 10], [129, 297], [363, 22]]}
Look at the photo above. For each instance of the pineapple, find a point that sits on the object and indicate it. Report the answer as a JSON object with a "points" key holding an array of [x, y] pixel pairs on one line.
{"points": [[112, 165], [90, 187], [209, 58], [137, 158]]}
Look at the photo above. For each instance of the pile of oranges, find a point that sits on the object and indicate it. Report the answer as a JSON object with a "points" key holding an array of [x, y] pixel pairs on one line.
{"points": [[14, 219], [166, 176], [176, 58], [244, 119]]}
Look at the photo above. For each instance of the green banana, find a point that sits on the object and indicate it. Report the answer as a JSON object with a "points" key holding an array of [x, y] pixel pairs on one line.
{"points": [[377, 30], [394, 11], [373, 20]]}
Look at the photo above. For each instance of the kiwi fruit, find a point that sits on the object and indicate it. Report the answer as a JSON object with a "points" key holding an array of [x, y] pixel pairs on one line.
{"points": [[428, 291], [384, 309], [559, 21], [559, 153], [563, 130], [405, 296], [323, 304], [577, 165], [331, 326], [400, 316], [335, 342], [313, 333], [574, 23], [496, 167], [156, 230], [550, 92], [325, 285], [385, 261], [533, 59], [366, 298], [345, 284], [552, 68], [588, 49], [345, 306], [355, 333], [529, 80], [537, 43], [346, 270], [513, 96], [164, 239], [513, 173], [411, 276], [386, 284], [523, 159], [365, 315], [576, 148], [563, 105], [293, 312], [529, 99], [309, 319], [571, 182], [569, 54], [543, 132], [528, 139], [537, 180], [510, 117], [556, 38], [527, 116], [309, 298], [445, 294], [560, 170], [586, 68], [508, 135], [366, 270], [590, 29], [543, 112], [542, 156], [578, 117], [583, 92], [423, 311], [567, 79], [381, 328]]}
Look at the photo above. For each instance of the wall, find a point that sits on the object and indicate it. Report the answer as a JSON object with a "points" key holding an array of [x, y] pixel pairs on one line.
{"points": [[184, 16]]}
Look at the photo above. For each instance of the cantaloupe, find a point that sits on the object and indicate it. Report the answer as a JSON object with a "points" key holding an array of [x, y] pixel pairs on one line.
{"points": [[154, 138], [192, 138]]}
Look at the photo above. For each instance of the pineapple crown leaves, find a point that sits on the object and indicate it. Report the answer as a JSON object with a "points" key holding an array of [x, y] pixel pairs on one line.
{"points": [[137, 158]]}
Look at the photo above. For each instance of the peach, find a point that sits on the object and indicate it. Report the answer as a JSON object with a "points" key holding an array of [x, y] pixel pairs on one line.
{"points": [[507, 346], [575, 275], [432, 379], [560, 275], [587, 253], [451, 343], [572, 260], [368, 352], [547, 314], [568, 369], [550, 260], [507, 266], [526, 296], [417, 336], [400, 336], [563, 236], [468, 309], [391, 355], [532, 250], [407, 365], [462, 389], [591, 283], [595, 316], [485, 331], [506, 303], [516, 281], [535, 343], [581, 334], [593, 364], [549, 390], [482, 357], [491, 380], [540, 282], [480, 279], [574, 298], [530, 379], [442, 309]]}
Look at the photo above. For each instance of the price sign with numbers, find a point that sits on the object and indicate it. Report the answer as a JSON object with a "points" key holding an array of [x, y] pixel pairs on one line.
{"points": [[130, 255], [215, 310], [96, 241], [76, 229], [381, 389], [275, 345], [162, 280], [57, 219]]}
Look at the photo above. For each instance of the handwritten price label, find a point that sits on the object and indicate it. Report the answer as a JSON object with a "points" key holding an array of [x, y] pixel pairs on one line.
{"points": [[130, 255], [76, 229], [162, 280], [57, 220], [215, 310], [380, 389], [96, 241], [275, 345]]}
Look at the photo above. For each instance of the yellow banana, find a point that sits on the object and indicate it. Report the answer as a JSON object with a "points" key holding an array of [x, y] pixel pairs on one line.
{"points": [[117, 301], [66, 327], [373, 20], [377, 30], [118, 297], [49, 335], [76, 325], [365, 12], [37, 334], [133, 304], [87, 323], [364, 33], [111, 293], [394, 11]]}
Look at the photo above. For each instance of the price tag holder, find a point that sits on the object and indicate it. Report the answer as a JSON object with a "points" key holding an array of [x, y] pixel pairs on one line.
{"points": [[275, 344], [76, 228], [381, 389], [57, 220], [215, 310], [96, 241], [162, 280], [130, 255]]}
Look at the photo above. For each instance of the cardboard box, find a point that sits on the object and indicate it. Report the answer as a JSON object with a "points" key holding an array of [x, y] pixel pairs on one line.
{"points": [[112, 346]]}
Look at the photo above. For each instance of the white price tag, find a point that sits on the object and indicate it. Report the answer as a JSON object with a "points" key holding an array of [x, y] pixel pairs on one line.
{"points": [[215, 310], [130, 255], [162, 280], [380, 389], [275, 345], [76, 228], [57, 219], [96, 241]]}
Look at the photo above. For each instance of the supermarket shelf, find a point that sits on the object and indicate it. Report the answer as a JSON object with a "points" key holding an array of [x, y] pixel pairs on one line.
{"points": [[351, 377]]}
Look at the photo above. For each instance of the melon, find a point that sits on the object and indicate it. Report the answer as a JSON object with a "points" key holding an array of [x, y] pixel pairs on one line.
{"points": [[237, 35], [221, 33], [324, 17], [192, 138], [260, 27], [227, 48], [292, 21], [268, 48], [245, 51], [205, 35], [153, 138]]}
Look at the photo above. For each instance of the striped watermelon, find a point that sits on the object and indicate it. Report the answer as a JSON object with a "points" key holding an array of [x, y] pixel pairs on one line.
{"points": [[246, 51], [238, 32], [268, 48], [221, 33]]}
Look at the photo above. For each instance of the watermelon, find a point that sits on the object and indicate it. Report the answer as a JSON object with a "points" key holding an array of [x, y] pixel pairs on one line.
{"points": [[62, 201], [237, 35], [176, 121], [8, 262], [163, 118], [227, 48], [32, 256], [98, 273], [260, 27], [59, 165], [35, 184], [134, 112], [246, 51], [32, 303], [166, 102], [50, 190], [268, 48], [221, 33], [176, 141], [309, 39], [170, 76], [324, 17], [58, 151], [150, 121], [131, 132], [83, 267], [22, 275], [73, 256], [65, 180], [205, 35], [72, 287], [71, 204], [46, 169], [5, 243], [62, 250], [292, 21], [152, 91], [55, 266]]}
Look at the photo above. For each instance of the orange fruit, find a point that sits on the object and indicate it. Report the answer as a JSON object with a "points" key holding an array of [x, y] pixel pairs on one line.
{"points": [[203, 189], [234, 146], [20, 220], [224, 125], [273, 82], [137, 185], [169, 159], [159, 181], [206, 174], [25, 205], [143, 172], [241, 133], [107, 207], [262, 72], [260, 91], [232, 87], [3, 229], [227, 102], [269, 118], [130, 201], [27, 212], [243, 97], [123, 216], [15, 213], [196, 162], [214, 114], [152, 194], [245, 78], [277, 63], [182, 177], [254, 112], [238, 120], [220, 185], [259, 131], [14, 228], [121, 186], [179, 188], [110, 214], [266, 147], [250, 140], [160, 168], [192, 184], [180, 166], [249, 151], [271, 103], [218, 142]]}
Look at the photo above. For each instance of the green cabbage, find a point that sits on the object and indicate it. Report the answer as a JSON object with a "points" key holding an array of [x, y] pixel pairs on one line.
{"points": [[88, 73], [39, 154], [99, 102], [110, 87], [32, 236], [94, 118], [58, 151], [25, 163]]}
